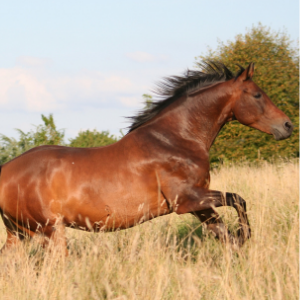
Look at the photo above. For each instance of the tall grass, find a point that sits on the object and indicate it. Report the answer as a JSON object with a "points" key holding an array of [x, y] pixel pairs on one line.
{"points": [[173, 257]]}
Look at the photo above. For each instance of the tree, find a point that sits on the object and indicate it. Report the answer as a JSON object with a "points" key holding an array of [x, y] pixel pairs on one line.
{"points": [[92, 139], [46, 134], [147, 101], [277, 73]]}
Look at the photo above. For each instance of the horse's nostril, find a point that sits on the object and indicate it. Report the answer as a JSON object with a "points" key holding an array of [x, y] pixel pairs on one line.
{"points": [[288, 125]]}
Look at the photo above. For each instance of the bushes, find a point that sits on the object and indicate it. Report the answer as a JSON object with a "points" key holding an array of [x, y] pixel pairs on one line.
{"points": [[92, 139], [48, 134]]}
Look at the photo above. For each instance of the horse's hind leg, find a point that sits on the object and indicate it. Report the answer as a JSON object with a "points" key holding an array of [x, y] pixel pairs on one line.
{"points": [[14, 237], [12, 240]]}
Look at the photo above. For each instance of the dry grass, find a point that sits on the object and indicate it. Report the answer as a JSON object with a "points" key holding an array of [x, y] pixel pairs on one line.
{"points": [[172, 257]]}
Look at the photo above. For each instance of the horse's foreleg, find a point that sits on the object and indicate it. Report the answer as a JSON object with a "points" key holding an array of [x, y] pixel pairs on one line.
{"points": [[214, 224], [236, 201], [201, 200]]}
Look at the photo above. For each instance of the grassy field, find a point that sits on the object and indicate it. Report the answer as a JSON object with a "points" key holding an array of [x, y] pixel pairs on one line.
{"points": [[173, 257]]}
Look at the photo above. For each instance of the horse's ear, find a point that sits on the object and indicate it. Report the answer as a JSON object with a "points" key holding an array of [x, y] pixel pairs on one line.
{"points": [[248, 73]]}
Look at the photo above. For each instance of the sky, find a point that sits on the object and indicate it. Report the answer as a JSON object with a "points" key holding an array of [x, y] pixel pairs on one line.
{"points": [[89, 62]]}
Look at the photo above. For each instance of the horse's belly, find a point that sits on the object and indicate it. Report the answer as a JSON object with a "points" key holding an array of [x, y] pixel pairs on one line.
{"points": [[110, 213]]}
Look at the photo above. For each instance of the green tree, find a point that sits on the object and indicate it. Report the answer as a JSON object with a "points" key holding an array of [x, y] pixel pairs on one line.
{"points": [[45, 134], [277, 73], [92, 139], [147, 100]]}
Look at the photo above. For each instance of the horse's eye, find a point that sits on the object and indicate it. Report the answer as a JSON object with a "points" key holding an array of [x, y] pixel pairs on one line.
{"points": [[258, 95]]}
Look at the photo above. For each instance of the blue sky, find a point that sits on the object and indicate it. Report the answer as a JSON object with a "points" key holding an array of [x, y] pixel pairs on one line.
{"points": [[89, 62]]}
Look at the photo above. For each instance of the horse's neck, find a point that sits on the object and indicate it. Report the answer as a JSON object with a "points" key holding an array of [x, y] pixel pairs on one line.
{"points": [[209, 111], [199, 117]]}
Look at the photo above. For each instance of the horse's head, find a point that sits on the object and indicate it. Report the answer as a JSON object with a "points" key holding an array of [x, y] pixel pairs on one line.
{"points": [[252, 107]]}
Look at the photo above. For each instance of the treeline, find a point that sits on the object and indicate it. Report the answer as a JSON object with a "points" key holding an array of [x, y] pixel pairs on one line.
{"points": [[277, 73], [48, 134]]}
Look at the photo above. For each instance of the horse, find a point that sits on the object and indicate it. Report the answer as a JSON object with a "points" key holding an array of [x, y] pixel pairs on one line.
{"points": [[160, 166]]}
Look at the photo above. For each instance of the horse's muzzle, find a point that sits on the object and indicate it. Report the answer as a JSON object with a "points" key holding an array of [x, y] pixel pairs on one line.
{"points": [[282, 131]]}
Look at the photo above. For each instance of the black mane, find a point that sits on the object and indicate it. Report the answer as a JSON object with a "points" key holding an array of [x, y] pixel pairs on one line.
{"points": [[173, 87]]}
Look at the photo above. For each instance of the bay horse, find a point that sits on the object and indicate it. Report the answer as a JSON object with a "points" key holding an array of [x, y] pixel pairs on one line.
{"points": [[160, 166]]}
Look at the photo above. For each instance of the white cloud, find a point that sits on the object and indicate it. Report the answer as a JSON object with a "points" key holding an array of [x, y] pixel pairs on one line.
{"points": [[20, 89], [31, 61], [139, 56], [36, 90]]}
